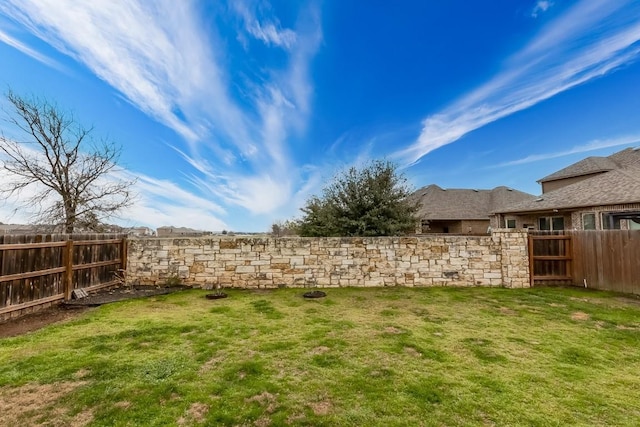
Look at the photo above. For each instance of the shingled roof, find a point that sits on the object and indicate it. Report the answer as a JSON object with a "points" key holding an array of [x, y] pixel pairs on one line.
{"points": [[459, 204], [596, 164], [616, 187], [627, 157]]}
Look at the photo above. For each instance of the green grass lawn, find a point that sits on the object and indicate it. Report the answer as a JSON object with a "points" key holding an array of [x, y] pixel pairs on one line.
{"points": [[359, 357]]}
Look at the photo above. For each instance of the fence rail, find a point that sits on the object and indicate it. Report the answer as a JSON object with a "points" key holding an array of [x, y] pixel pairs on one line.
{"points": [[41, 269]]}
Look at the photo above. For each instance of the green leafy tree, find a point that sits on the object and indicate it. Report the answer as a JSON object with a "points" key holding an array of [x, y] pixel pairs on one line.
{"points": [[371, 201]]}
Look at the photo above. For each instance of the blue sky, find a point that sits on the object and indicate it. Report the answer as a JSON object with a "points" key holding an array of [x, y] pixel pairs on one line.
{"points": [[231, 114]]}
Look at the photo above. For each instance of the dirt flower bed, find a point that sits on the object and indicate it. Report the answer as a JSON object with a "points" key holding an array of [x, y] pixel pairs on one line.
{"points": [[123, 293], [34, 321], [71, 309]]}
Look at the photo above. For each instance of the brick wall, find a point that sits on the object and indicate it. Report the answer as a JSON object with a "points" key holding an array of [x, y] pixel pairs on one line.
{"points": [[261, 262], [576, 217]]}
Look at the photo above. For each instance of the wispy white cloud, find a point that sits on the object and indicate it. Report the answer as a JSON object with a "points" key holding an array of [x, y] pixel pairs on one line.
{"points": [[164, 202], [541, 7], [168, 63], [157, 54], [7, 39], [282, 107], [268, 30], [596, 144], [258, 194], [562, 56]]}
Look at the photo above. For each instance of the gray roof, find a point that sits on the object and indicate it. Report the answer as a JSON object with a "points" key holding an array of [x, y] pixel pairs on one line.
{"points": [[627, 157], [616, 187], [594, 165], [457, 204]]}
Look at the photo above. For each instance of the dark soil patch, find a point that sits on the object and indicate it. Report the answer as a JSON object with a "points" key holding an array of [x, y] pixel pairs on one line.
{"points": [[218, 295], [39, 319], [71, 309], [314, 294], [121, 294]]}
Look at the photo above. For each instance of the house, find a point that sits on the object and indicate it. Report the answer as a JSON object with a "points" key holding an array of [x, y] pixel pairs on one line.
{"points": [[140, 232], [17, 229], [596, 193], [170, 231], [462, 211]]}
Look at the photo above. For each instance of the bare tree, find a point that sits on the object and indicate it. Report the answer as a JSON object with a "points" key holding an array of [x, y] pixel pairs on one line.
{"points": [[70, 177]]}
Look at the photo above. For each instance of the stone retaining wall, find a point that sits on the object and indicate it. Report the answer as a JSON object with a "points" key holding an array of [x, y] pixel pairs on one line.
{"points": [[497, 260]]}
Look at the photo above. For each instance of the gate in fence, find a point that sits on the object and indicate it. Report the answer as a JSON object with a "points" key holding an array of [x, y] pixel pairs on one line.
{"points": [[550, 258]]}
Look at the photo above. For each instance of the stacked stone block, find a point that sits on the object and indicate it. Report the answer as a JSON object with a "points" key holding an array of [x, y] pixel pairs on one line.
{"points": [[261, 262]]}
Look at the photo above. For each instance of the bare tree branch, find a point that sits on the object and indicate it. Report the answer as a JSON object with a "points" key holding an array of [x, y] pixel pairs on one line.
{"points": [[60, 161]]}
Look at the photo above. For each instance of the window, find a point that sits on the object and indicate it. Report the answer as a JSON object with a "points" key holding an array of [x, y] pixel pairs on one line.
{"points": [[551, 223], [610, 222], [511, 223], [543, 224], [589, 221], [557, 223]]}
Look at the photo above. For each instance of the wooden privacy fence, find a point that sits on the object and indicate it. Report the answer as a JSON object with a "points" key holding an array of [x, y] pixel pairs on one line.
{"points": [[40, 269], [602, 259]]}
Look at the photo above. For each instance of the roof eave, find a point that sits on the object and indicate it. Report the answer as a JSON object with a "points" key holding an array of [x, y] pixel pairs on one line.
{"points": [[566, 208], [457, 219]]}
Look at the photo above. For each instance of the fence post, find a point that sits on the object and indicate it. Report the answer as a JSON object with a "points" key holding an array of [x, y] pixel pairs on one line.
{"points": [[531, 263], [68, 273], [123, 253]]}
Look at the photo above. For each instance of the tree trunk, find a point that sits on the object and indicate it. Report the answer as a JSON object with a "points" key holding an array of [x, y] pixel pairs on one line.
{"points": [[69, 218]]}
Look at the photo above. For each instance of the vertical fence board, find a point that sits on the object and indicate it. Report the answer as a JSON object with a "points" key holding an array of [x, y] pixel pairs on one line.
{"points": [[633, 247], [68, 275], [614, 266], [600, 253], [626, 269], [3, 287]]}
